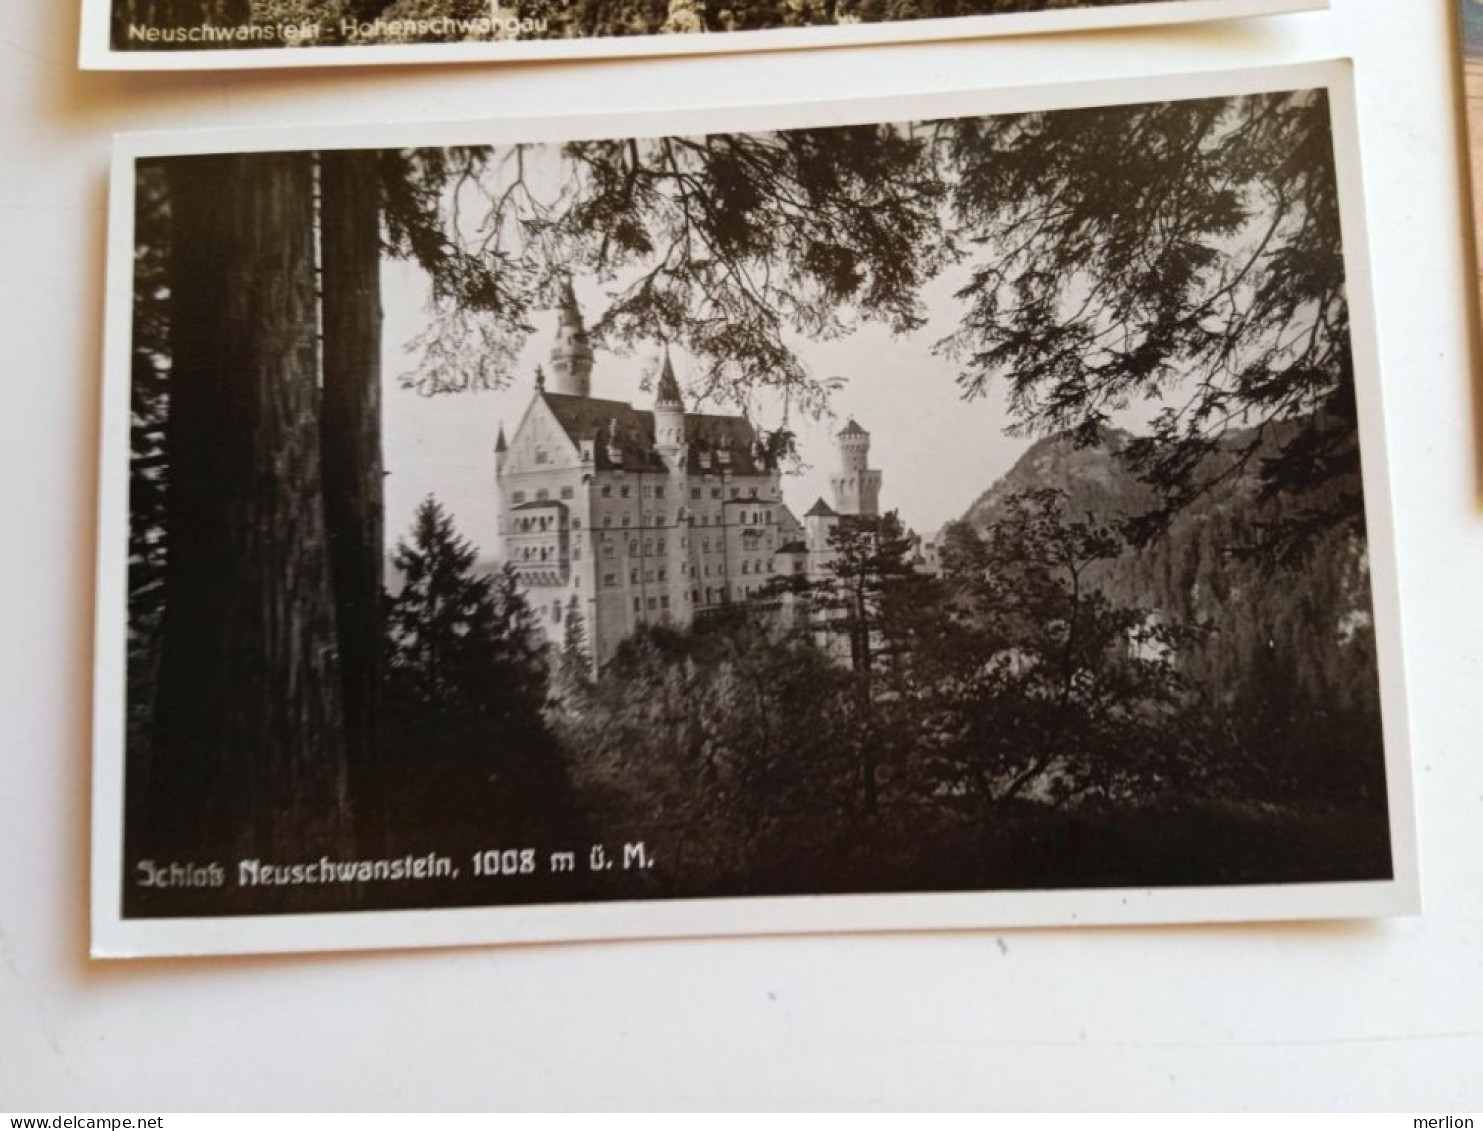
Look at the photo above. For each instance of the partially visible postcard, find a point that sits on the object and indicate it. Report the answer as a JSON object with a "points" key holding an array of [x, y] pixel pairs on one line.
{"points": [[951, 511], [175, 34], [1471, 12]]}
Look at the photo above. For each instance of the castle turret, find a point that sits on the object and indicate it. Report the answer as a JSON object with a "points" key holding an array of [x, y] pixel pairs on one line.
{"points": [[669, 415], [501, 449], [571, 353], [857, 487]]}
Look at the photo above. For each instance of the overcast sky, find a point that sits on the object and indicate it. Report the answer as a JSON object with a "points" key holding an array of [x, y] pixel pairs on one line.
{"points": [[937, 452]]}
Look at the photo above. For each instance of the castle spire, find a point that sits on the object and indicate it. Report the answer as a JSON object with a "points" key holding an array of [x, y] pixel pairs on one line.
{"points": [[667, 392], [571, 352], [499, 441], [669, 414]]}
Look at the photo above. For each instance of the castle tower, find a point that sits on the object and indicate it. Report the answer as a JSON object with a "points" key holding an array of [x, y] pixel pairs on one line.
{"points": [[669, 415], [571, 353], [857, 487]]}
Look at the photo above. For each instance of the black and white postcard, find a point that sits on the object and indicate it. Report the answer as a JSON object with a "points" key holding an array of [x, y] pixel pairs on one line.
{"points": [[947, 511], [175, 34]]}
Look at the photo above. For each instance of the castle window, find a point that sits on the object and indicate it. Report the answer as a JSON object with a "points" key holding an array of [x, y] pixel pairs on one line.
{"points": [[659, 491], [633, 577], [610, 579], [736, 492], [576, 553], [609, 550], [576, 524], [705, 544], [661, 575], [769, 565], [633, 549], [607, 520], [625, 491], [769, 515], [695, 594], [664, 602], [659, 546], [542, 495], [715, 492], [625, 520], [653, 603], [753, 492], [607, 491], [648, 492], [695, 492], [638, 604], [519, 496], [566, 492], [648, 548], [746, 566], [542, 456], [648, 575]]}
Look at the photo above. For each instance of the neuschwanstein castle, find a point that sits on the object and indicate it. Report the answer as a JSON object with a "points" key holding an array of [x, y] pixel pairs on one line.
{"points": [[635, 516]]}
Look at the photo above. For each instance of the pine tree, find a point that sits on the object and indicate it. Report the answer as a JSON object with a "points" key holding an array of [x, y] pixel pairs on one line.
{"points": [[574, 671], [461, 644], [865, 598]]}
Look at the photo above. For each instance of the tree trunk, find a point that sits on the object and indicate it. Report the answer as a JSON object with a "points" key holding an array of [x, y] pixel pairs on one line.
{"points": [[249, 715], [350, 433]]}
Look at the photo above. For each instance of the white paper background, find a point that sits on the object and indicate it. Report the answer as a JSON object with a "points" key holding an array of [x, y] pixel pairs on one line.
{"points": [[1359, 1015]]}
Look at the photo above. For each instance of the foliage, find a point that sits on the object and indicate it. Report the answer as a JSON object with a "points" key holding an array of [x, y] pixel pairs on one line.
{"points": [[149, 459], [460, 643], [741, 240], [718, 738], [574, 664], [1057, 687], [1186, 254]]}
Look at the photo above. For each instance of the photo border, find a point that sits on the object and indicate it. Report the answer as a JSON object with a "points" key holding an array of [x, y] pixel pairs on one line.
{"points": [[116, 937], [96, 51]]}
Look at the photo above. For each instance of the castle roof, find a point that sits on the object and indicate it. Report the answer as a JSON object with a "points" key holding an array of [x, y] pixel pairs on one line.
{"points": [[566, 304], [820, 509], [853, 429], [667, 392], [616, 423]]}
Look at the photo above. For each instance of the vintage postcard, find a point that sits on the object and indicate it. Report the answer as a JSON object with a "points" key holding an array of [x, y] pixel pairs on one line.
{"points": [[1471, 13], [174, 34], [945, 511]]}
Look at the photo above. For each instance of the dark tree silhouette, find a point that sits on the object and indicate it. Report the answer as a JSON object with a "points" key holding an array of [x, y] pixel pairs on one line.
{"points": [[461, 643], [574, 666], [249, 726], [1183, 253], [863, 603], [1064, 690]]}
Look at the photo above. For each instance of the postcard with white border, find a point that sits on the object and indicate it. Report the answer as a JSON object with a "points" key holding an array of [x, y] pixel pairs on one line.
{"points": [[182, 34], [951, 511]]}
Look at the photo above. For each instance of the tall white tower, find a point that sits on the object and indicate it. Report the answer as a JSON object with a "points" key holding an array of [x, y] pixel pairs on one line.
{"points": [[857, 486], [669, 414], [571, 353]]}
